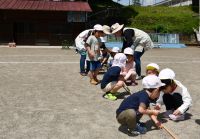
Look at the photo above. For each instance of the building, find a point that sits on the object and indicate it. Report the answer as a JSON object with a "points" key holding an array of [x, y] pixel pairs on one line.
{"points": [[173, 3], [41, 22]]}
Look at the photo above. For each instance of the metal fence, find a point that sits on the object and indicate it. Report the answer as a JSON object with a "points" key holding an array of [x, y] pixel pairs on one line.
{"points": [[164, 38]]}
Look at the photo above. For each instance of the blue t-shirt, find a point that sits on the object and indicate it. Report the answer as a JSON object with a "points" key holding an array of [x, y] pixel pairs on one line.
{"points": [[133, 101], [112, 74]]}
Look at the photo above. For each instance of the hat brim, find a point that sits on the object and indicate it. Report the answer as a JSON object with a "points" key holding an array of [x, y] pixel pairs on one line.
{"points": [[117, 29], [106, 29]]}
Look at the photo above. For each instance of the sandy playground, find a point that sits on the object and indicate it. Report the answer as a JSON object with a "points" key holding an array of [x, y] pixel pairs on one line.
{"points": [[42, 96]]}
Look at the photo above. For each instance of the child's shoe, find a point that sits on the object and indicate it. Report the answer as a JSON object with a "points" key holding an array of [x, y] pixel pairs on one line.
{"points": [[110, 96], [167, 113], [139, 78], [177, 117], [92, 81], [138, 130]]}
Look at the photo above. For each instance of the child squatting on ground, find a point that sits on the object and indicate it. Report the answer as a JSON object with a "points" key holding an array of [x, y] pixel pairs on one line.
{"points": [[93, 49], [174, 95], [152, 68], [133, 107], [129, 72], [112, 81]]}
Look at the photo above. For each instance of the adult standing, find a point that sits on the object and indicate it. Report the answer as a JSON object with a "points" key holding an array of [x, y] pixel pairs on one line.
{"points": [[80, 45], [137, 39]]}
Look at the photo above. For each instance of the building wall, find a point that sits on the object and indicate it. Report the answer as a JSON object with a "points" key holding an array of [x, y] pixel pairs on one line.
{"points": [[37, 27]]}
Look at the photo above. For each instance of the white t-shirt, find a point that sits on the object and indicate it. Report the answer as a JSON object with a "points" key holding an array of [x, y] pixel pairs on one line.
{"points": [[79, 41]]}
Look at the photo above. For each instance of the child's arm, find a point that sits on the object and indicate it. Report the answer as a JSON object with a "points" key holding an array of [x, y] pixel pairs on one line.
{"points": [[187, 102], [142, 109], [154, 118]]}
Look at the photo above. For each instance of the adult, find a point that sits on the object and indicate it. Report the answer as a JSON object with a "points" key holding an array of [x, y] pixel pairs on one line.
{"points": [[137, 39]]}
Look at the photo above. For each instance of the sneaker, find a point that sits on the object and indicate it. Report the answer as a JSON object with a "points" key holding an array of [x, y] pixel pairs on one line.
{"points": [[139, 78], [177, 117], [140, 129], [83, 73], [167, 113], [110, 96], [92, 81]]}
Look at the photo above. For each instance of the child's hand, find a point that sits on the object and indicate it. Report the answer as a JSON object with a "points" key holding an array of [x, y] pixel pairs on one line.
{"points": [[159, 125], [176, 112], [91, 55], [157, 107]]}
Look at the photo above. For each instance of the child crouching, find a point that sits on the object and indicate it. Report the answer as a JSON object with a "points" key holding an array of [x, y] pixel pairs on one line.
{"points": [[174, 95], [112, 81], [133, 107]]}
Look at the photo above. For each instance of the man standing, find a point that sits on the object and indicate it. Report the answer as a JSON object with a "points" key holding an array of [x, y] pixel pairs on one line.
{"points": [[137, 39]]}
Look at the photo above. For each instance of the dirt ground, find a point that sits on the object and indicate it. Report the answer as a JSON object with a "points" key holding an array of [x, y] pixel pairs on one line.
{"points": [[42, 96]]}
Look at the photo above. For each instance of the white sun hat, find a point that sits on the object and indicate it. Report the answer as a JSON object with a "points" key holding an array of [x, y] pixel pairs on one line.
{"points": [[115, 49], [166, 74], [128, 51], [151, 81], [119, 60], [152, 66], [106, 29], [98, 27], [116, 27]]}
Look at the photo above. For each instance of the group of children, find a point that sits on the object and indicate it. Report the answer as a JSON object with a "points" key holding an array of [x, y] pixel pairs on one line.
{"points": [[159, 87]]}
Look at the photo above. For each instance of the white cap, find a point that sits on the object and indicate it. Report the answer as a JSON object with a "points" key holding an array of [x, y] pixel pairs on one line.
{"points": [[128, 51], [152, 81], [98, 27], [152, 66], [166, 74], [119, 60], [115, 49]]}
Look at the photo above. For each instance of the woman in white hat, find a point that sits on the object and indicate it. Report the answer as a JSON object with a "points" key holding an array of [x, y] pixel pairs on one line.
{"points": [[135, 38]]}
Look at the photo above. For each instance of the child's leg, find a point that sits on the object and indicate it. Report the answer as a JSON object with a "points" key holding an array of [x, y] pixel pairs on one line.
{"points": [[97, 68], [130, 75], [127, 118], [177, 98], [168, 101], [119, 85]]}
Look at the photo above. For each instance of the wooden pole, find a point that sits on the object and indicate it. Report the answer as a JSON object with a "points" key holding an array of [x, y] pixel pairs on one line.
{"points": [[172, 134]]}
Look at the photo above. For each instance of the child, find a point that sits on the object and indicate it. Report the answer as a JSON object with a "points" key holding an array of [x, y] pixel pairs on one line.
{"points": [[174, 95], [152, 68], [113, 52], [133, 107], [112, 81], [129, 72], [104, 56], [93, 49]]}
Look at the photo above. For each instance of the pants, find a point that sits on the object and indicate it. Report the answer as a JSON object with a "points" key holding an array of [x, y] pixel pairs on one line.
{"points": [[128, 118], [172, 102], [137, 56], [82, 64]]}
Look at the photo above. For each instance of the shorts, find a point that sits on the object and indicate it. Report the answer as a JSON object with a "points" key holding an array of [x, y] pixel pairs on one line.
{"points": [[110, 86], [94, 65]]}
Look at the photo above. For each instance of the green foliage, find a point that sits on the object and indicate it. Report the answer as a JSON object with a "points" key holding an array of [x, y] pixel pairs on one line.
{"points": [[161, 19], [164, 19]]}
